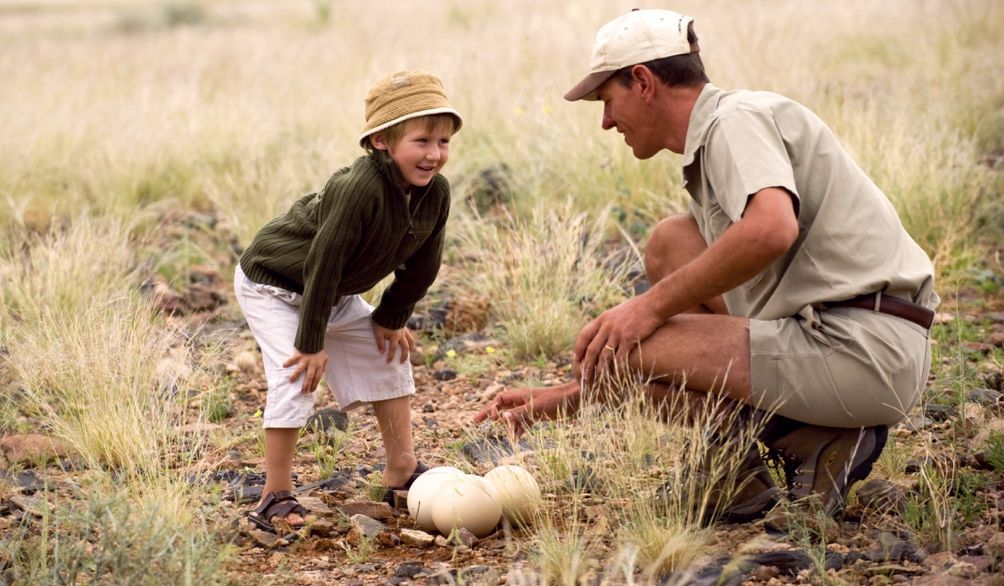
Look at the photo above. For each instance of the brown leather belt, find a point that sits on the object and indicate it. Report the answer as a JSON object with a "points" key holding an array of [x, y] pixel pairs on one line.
{"points": [[900, 308]]}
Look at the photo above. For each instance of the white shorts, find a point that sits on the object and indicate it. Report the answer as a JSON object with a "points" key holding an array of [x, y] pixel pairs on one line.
{"points": [[356, 372]]}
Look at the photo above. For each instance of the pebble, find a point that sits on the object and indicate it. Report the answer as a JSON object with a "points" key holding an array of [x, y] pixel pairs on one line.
{"points": [[416, 538], [445, 374], [29, 449], [366, 526], [373, 510]]}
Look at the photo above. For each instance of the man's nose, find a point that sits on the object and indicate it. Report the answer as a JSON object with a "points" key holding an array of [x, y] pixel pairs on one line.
{"points": [[608, 122]]}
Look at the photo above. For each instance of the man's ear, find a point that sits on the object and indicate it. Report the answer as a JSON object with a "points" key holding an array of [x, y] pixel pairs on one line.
{"points": [[644, 79], [379, 141]]}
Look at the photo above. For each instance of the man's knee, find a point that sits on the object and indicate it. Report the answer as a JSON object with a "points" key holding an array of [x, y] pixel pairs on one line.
{"points": [[674, 241]]}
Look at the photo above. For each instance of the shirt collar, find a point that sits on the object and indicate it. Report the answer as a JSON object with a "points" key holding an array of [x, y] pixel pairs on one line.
{"points": [[705, 105]]}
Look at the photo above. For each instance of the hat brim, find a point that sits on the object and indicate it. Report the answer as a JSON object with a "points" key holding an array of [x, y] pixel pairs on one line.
{"points": [[409, 116], [586, 89]]}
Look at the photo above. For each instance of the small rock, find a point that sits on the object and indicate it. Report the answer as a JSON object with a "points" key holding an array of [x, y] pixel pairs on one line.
{"points": [[465, 537], [166, 299], [445, 374], [441, 541], [915, 422], [891, 549], [366, 526], [995, 546], [881, 495], [416, 538], [203, 297], [409, 569], [28, 449], [996, 339], [315, 505], [263, 538], [428, 408], [984, 396], [325, 419], [373, 510], [31, 505], [938, 412], [321, 528]]}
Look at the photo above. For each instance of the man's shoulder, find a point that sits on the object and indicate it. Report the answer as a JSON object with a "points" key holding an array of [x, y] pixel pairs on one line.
{"points": [[738, 102]]}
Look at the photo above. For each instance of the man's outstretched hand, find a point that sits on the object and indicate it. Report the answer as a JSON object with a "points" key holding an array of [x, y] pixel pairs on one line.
{"points": [[519, 408]]}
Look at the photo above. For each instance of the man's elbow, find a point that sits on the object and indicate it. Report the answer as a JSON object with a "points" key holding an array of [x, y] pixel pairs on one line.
{"points": [[778, 238]]}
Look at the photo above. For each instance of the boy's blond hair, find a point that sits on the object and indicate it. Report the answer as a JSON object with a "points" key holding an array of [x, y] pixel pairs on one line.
{"points": [[393, 134]]}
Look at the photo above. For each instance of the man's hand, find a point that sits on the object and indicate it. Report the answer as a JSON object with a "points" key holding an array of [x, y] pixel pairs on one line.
{"points": [[611, 337], [519, 408], [388, 341], [311, 364]]}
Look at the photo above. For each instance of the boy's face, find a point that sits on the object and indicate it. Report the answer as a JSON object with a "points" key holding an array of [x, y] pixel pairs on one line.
{"points": [[420, 153]]}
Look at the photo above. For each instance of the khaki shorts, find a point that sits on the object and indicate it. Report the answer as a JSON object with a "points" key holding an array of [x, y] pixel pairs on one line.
{"points": [[356, 372], [841, 367]]}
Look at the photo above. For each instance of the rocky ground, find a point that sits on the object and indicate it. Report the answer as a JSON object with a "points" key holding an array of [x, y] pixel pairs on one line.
{"points": [[352, 539]]}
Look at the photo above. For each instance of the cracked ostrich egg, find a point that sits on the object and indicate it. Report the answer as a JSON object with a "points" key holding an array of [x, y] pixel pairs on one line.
{"points": [[423, 492], [466, 502], [516, 492]]}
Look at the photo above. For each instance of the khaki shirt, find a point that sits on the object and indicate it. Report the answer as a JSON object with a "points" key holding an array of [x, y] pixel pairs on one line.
{"points": [[850, 240]]}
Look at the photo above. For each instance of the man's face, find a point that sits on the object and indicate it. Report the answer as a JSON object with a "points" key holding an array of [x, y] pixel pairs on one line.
{"points": [[625, 109]]}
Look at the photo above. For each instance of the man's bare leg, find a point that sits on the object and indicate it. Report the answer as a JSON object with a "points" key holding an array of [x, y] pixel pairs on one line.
{"points": [[674, 242]]}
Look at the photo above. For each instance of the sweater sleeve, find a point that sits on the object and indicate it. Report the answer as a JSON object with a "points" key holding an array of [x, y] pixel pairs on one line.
{"points": [[342, 212], [413, 279]]}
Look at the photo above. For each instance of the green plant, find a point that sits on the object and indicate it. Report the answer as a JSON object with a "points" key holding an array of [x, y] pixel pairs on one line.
{"points": [[218, 404], [995, 450], [361, 552]]}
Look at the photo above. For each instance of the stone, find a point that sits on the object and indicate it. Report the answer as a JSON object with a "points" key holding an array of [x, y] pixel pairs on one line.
{"points": [[416, 538], [321, 528], [204, 297], [445, 374], [263, 539], [995, 546], [881, 495], [984, 396], [373, 510], [891, 549], [31, 505], [441, 541], [465, 537], [996, 339], [315, 505], [29, 449], [366, 527], [166, 299], [325, 419]]}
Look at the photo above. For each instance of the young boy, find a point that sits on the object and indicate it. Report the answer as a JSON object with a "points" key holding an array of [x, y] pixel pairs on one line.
{"points": [[299, 281]]}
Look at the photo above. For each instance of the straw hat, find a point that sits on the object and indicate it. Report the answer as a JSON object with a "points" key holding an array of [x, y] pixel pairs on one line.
{"points": [[402, 96]]}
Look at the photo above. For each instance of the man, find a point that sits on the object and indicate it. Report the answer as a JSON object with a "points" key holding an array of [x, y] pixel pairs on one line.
{"points": [[790, 283]]}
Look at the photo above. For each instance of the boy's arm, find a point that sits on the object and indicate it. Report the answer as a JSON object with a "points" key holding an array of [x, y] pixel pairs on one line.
{"points": [[417, 274], [343, 210]]}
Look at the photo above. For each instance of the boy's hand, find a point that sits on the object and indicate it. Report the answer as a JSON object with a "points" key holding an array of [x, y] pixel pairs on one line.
{"points": [[388, 341], [311, 364]]}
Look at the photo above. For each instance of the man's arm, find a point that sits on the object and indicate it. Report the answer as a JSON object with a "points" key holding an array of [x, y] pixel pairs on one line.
{"points": [[765, 232]]}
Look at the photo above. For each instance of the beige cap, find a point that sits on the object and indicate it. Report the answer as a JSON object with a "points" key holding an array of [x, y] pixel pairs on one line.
{"points": [[636, 37], [402, 96]]}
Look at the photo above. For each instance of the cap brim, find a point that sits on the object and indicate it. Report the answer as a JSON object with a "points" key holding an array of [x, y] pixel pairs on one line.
{"points": [[586, 89]]}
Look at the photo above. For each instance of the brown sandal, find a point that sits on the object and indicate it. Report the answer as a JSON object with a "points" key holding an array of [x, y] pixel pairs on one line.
{"points": [[276, 504]]}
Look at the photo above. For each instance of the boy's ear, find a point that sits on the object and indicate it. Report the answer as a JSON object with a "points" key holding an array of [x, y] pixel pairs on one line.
{"points": [[379, 141]]}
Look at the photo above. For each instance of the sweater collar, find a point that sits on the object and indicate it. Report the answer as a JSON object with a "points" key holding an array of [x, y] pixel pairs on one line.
{"points": [[385, 165]]}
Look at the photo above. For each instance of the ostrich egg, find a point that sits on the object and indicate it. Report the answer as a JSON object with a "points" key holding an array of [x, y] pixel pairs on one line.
{"points": [[515, 490], [466, 502], [423, 491]]}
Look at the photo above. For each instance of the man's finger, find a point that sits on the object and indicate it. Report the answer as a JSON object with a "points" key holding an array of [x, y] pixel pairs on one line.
{"points": [[585, 337]]}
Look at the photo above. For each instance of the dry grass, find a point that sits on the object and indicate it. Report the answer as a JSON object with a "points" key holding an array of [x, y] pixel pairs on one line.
{"points": [[115, 111]]}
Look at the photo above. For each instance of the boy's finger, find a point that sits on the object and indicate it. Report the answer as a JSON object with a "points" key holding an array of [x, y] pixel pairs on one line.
{"points": [[296, 374]]}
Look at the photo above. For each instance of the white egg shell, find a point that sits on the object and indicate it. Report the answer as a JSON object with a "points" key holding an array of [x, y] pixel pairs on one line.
{"points": [[422, 494], [515, 490], [466, 502]]}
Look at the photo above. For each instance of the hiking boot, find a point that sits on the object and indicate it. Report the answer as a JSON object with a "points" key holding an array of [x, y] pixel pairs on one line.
{"points": [[755, 492], [821, 463]]}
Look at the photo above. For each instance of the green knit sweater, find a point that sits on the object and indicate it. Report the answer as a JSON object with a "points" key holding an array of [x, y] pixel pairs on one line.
{"points": [[343, 240]]}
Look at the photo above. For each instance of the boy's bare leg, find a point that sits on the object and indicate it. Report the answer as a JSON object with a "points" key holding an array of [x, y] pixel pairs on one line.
{"points": [[280, 445], [394, 418]]}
